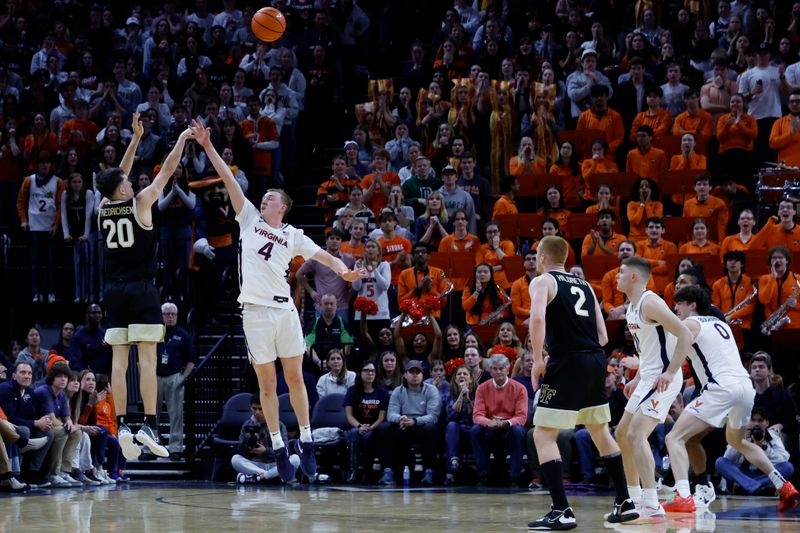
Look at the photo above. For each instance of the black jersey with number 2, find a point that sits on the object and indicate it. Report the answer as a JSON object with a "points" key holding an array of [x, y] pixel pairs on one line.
{"points": [[130, 248], [570, 318]]}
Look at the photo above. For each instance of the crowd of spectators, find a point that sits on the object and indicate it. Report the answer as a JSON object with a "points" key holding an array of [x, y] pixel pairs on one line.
{"points": [[573, 115]]}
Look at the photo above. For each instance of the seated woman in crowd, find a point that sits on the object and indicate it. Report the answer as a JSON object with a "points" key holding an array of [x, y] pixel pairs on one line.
{"points": [[554, 206], [550, 226], [439, 379], [338, 378], [643, 205], [365, 405], [568, 167], [433, 225], [459, 418], [606, 199], [390, 371], [453, 345], [94, 436], [471, 340], [404, 213], [507, 336], [699, 243], [599, 163], [492, 253], [107, 421], [484, 301]]}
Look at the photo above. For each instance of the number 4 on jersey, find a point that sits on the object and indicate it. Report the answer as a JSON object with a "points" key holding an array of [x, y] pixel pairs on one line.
{"points": [[266, 250]]}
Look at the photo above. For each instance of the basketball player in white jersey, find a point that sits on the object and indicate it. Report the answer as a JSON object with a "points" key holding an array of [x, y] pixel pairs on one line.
{"points": [[656, 332], [727, 393], [271, 324]]}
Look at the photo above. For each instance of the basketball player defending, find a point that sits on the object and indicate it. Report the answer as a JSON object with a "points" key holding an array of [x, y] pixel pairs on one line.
{"points": [[565, 314], [657, 334], [271, 323], [727, 393], [133, 307]]}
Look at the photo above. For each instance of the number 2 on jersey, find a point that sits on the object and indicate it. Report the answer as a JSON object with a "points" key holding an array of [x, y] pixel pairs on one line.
{"points": [[579, 310]]}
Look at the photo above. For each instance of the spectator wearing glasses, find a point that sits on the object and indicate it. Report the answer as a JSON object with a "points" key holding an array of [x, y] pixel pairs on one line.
{"points": [[783, 136]]}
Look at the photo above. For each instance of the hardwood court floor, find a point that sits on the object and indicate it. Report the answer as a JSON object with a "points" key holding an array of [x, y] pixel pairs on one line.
{"points": [[157, 507]]}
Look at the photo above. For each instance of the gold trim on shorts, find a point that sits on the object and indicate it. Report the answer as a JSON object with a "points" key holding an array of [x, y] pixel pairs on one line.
{"points": [[116, 336], [564, 419], [146, 332]]}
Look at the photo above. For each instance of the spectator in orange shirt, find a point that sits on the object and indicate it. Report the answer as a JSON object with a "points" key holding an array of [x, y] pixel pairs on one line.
{"points": [[597, 164], [505, 205], [688, 159], [659, 119], [355, 246], [554, 206], [493, 252], [605, 200], [655, 249], [334, 193], [602, 117], [613, 301], [645, 160], [736, 132], [421, 280], [603, 240], [741, 241], [460, 241], [779, 231], [520, 296], [694, 120], [526, 163], [484, 298], [79, 132], [708, 207], [262, 134], [731, 289], [779, 285], [395, 250], [699, 243], [643, 206], [783, 136], [567, 166], [378, 185]]}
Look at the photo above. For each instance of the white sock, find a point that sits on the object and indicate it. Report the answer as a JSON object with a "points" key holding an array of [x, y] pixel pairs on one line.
{"points": [[635, 492], [682, 486], [650, 498], [777, 479], [305, 434], [277, 440]]}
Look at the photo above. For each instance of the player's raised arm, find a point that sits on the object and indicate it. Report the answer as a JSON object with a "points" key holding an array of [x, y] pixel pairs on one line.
{"points": [[336, 264], [148, 196], [655, 310], [203, 138], [130, 153]]}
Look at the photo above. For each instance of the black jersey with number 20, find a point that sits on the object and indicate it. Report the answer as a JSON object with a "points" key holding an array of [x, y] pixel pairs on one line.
{"points": [[130, 247], [570, 318]]}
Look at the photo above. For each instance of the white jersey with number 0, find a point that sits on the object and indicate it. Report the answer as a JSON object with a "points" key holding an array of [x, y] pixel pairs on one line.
{"points": [[714, 355], [654, 345], [264, 257]]}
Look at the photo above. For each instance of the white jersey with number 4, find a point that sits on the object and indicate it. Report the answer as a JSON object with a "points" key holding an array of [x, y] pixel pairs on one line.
{"points": [[714, 355], [264, 257], [654, 345]]}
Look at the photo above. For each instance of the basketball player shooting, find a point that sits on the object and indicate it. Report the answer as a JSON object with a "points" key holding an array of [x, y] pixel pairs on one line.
{"points": [[133, 307], [271, 324]]}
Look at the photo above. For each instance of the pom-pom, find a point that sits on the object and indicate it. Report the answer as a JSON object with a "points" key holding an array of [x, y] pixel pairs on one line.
{"points": [[451, 366], [365, 305], [413, 309]]}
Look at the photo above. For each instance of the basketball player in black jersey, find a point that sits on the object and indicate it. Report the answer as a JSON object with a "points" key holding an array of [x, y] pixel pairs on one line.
{"points": [[133, 308], [566, 316]]}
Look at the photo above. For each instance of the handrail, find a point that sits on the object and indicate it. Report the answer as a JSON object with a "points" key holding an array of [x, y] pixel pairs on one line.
{"points": [[205, 359]]}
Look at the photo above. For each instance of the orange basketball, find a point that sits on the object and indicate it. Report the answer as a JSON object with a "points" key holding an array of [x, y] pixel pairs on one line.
{"points": [[268, 24]]}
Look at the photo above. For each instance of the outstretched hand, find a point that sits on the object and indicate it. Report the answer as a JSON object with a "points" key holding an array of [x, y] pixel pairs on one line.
{"points": [[136, 126], [201, 133], [353, 275]]}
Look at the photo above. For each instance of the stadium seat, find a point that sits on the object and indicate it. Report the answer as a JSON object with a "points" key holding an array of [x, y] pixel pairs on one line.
{"points": [[226, 434], [329, 413]]}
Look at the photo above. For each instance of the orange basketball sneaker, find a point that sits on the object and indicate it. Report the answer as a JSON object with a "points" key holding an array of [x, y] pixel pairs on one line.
{"points": [[788, 497], [680, 505]]}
